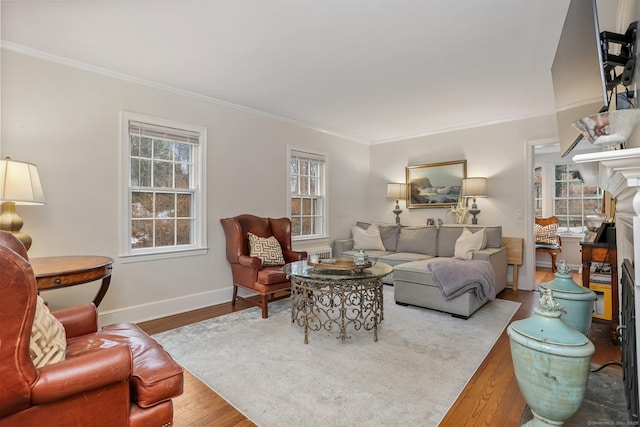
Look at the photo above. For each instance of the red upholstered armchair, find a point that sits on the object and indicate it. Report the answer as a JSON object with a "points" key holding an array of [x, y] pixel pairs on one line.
{"points": [[117, 376], [249, 272]]}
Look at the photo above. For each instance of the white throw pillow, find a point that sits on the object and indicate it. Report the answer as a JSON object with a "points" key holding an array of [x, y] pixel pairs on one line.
{"points": [[368, 239], [468, 243]]}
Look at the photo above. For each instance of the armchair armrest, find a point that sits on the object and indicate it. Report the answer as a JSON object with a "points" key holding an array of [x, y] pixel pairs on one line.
{"points": [[291, 256], [82, 373], [250, 261], [77, 321]]}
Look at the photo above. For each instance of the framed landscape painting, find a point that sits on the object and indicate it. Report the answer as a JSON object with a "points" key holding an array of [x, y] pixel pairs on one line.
{"points": [[435, 185]]}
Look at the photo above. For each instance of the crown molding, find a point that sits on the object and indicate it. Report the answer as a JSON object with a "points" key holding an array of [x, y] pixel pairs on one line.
{"points": [[24, 50]]}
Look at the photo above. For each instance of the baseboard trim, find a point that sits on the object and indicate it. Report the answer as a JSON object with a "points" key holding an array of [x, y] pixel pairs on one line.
{"points": [[164, 308]]}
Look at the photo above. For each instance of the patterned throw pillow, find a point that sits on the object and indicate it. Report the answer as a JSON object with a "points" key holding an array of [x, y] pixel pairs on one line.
{"points": [[48, 340], [546, 234], [267, 249]]}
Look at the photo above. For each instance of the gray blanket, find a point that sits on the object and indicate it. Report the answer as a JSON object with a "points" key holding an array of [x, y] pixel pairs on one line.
{"points": [[456, 277]]}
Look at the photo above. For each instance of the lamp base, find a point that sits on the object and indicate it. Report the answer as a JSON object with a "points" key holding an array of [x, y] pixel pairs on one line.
{"points": [[397, 212], [474, 211], [10, 221]]}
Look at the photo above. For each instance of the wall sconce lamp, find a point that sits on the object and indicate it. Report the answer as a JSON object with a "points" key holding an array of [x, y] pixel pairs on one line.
{"points": [[19, 185], [609, 128], [397, 191], [474, 187]]}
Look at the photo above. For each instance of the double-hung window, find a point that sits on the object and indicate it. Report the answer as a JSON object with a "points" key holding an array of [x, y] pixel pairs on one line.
{"points": [[572, 199], [559, 191], [307, 194], [163, 196]]}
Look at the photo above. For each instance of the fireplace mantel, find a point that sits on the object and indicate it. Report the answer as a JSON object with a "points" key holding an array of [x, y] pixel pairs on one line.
{"points": [[618, 173]]}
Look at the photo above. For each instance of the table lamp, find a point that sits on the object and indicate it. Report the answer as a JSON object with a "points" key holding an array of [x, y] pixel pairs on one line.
{"points": [[474, 187], [19, 185], [397, 191]]}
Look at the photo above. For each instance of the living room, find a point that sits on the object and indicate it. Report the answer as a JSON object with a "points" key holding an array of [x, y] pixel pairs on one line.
{"points": [[65, 116]]}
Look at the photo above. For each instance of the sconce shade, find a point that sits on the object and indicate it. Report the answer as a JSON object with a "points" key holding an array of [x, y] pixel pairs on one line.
{"points": [[474, 187], [396, 191], [610, 128], [20, 183]]}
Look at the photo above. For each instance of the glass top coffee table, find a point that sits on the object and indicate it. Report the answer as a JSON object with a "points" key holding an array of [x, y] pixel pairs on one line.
{"points": [[323, 297]]}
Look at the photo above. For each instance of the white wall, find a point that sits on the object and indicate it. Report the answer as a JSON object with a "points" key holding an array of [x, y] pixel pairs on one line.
{"points": [[66, 121], [496, 151]]}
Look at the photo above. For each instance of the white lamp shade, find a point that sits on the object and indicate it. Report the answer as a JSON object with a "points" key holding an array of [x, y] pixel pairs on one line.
{"points": [[396, 191], [610, 128], [20, 183], [474, 187]]}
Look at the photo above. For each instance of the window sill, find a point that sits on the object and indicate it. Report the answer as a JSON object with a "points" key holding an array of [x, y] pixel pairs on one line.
{"points": [[153, 256], [571, 234], [309, 239]]}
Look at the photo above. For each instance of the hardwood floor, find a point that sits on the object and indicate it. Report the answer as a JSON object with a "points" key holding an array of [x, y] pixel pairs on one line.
{"points": [[491, 398]]}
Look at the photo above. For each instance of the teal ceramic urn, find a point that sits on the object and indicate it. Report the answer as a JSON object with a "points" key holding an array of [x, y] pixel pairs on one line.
{"points": [[551, 363], [576, 302]]}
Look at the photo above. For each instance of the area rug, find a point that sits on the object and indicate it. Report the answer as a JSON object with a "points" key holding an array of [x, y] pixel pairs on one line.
{"points": [[410, 377]]}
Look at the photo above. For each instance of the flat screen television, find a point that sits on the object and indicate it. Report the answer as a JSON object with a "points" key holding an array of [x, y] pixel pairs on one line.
{"points": [[579, 83]]}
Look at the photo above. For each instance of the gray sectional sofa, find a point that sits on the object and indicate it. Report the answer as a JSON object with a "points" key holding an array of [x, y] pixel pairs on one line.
{"points": [[410, 249]]}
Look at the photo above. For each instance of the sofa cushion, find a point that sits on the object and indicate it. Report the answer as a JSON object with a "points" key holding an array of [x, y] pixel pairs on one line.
{"points": [[468, 243], [398, 258], [419, 240], [388, 234], [417, 271], [373, 255], [367, 239]]}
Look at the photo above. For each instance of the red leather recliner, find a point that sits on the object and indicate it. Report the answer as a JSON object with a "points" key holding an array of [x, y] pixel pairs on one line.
{"points": [[118, 376], [248, 272]]}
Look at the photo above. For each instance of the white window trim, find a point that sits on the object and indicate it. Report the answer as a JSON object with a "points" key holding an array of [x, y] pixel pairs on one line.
{"points": [[325, 183], [548, 198], [199, 246]]}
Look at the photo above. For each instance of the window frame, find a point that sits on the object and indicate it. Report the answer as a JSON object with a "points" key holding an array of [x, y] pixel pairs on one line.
{"points": [[567, 181], [549, 196], [197, 188], [323, 198]]}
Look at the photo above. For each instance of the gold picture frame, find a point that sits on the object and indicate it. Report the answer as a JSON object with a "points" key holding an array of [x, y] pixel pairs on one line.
{"points": [[435, 185]]}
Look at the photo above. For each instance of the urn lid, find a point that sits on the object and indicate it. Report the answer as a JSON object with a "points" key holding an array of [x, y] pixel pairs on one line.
{"points": [[547, 331], [564, 282]]}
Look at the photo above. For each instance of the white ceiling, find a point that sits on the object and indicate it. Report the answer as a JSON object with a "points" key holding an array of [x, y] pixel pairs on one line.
{"points": [[369, 70]]}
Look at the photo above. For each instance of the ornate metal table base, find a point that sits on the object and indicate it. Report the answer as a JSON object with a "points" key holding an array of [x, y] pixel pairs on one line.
{"points": [[339, 304]]}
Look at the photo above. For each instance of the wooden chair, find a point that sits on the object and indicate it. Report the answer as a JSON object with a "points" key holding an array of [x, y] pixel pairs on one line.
{"points": [[547, 238], [247, 271]]}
